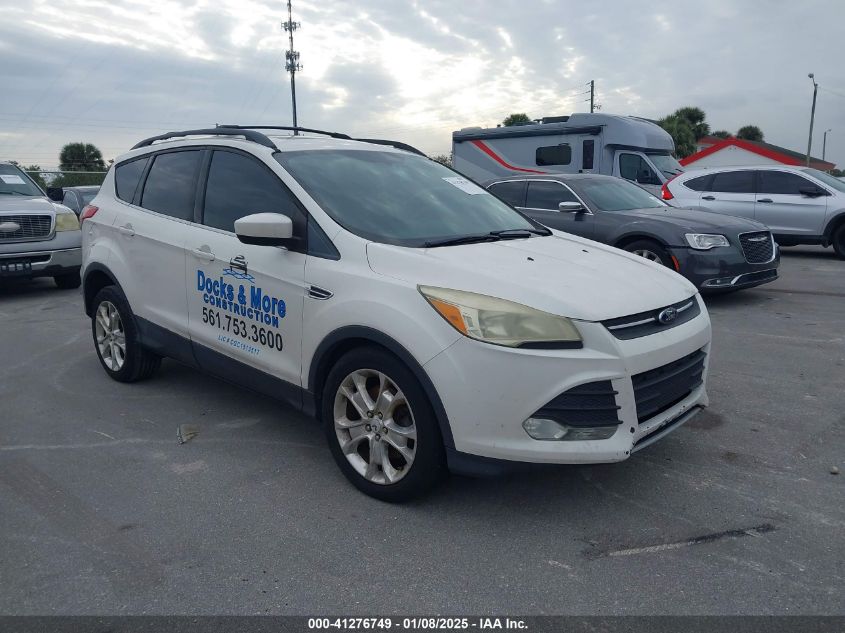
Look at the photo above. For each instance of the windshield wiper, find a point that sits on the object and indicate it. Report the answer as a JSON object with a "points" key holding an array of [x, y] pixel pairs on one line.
{"points": [[463, 239], [514, 234]]}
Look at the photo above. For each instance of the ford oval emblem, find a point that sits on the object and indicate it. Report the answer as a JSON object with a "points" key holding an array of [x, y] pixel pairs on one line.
{"points": [[667, 316], [9, 227]]}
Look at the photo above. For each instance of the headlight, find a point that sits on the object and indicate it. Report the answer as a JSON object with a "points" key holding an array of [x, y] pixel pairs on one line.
{"points": [[501, 322], [67, 222], [704, 241]]}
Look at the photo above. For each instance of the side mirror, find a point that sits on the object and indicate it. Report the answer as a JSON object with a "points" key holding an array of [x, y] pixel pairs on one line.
{"points": [[571, 207], [812, 192], [265, 229], [56, 194]]}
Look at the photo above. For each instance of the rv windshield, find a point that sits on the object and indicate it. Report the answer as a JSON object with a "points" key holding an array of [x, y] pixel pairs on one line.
{"points": [[403, 199], [666, 164], [615, 194]]}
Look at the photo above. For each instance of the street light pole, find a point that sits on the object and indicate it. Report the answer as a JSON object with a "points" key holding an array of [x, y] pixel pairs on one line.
{"points": [[812, 116], [824, 142]]}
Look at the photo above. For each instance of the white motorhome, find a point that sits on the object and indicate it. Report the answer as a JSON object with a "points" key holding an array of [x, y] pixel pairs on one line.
{"points": [[626, 146]]}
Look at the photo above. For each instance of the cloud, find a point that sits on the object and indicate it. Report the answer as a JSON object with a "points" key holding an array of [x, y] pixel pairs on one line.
{"points": [[112, 72]]}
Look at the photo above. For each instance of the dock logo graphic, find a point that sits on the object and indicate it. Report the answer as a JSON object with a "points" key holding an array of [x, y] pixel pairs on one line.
{"points": [[238, 269]]}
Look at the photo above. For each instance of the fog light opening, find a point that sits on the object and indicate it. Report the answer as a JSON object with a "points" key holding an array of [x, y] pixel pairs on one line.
{"points": [[552, 430]]}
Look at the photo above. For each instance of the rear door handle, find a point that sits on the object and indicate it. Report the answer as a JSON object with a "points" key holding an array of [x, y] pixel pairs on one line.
{"points": [[765, 200], [126, 230], [203, 253], [708, 197]]}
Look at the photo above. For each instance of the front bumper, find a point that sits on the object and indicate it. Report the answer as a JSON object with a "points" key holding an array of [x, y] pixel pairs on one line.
{"points": [[60, 255], [724, 268], [489, 391]]}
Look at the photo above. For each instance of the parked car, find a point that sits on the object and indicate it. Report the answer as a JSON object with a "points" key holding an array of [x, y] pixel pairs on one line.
{"points": [[38, 238], [74, 198], [425, 323], [629, 147], [715, 252], [799, 204]]}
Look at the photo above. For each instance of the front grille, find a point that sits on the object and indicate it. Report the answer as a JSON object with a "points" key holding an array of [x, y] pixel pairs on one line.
{"points": [[590, 404], [645, 323], [758, 247], [30, 227], [659, 389]]}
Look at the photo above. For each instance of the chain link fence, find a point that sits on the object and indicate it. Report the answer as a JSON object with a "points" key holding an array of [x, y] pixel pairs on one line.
{"points": [[67, 178]]}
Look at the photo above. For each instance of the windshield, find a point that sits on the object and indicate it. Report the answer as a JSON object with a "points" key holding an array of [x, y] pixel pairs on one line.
{"points": [[13, 182], [398, 198], [615, 194], [826, 179], [667, 164]]}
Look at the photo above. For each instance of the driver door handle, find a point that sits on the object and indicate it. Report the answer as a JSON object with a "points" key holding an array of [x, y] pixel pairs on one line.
{"points": [[708, 197], [765, 200], [126, 230], [204, 253]]}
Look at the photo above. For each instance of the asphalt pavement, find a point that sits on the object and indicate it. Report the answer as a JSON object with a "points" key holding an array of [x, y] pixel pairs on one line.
{"points": [[103, 511]]}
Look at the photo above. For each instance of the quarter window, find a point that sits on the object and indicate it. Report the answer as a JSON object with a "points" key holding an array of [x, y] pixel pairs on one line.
{"points": [[547, 195], [127, 176], [733, 182], [239, 186], [782, 182], [512, 192], [698, 184], [554, 155], [171, 183]]}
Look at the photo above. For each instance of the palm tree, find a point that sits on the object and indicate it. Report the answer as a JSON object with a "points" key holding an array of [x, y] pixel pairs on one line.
{"points": [[696, 118], [81, 157], [516, 119]]}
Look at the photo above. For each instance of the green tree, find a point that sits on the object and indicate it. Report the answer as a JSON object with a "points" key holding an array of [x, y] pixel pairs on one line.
{"points": [[696, 119], [444, 159], [81, 157], [34, 172], [681, 131], [516, 119], [722, 134], [750, 133]]}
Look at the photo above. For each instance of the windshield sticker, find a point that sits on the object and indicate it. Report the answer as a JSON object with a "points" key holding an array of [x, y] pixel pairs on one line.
{"points": [[11, 179], [464, 185]]}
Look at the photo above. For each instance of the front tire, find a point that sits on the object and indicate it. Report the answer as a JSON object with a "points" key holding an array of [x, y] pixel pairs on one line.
{"points": [[838, 241], [68, 281], [116, 338], [650, 250], [381, 427]]}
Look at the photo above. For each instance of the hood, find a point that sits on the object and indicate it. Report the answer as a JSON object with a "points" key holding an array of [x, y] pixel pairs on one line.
{"points": [[694, 221], [560, 274], [20, 204]]}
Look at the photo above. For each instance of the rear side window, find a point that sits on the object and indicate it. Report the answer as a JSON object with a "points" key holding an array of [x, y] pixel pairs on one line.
{"points": [[512, 192], [587, 153], [733, 182], [127, 176], [238, 186], [547, 195], [782, 182], [171, 184], [698, 184], [554, 155]]}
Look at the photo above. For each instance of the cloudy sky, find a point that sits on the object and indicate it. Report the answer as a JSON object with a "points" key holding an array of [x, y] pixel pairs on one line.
{"points": [[112, 72]]}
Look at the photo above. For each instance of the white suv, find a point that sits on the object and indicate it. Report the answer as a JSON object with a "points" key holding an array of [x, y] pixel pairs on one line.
{"points": [[424, 322], [800, 205]]}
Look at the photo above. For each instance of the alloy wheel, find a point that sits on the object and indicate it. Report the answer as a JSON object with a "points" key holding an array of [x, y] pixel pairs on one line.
{"points": [[649, 255], [111, 337], [375, 426]]}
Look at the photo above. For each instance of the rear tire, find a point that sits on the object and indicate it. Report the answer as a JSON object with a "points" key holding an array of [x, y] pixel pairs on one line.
{"points": [[116, 339], [381, 428], [838, 241], [650, 250], [68, 281]]}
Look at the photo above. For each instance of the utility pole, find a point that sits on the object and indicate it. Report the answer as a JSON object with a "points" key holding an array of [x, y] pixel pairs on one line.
{"points": [[292, 64], [812, 116], [824, 142], [592, 95]]}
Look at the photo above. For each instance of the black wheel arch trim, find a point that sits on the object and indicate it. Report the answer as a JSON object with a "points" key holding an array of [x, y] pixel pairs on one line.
{"points": [[637, 235], [834, 223], [96, 267], [345, 334]]}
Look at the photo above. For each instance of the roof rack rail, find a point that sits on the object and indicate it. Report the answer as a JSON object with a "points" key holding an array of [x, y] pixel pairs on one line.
{"points": [[288, 128], [255, 137], [338, 135]]}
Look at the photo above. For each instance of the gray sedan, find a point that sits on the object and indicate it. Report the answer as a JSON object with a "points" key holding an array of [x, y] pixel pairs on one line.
{"points": [[715, 252]]}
